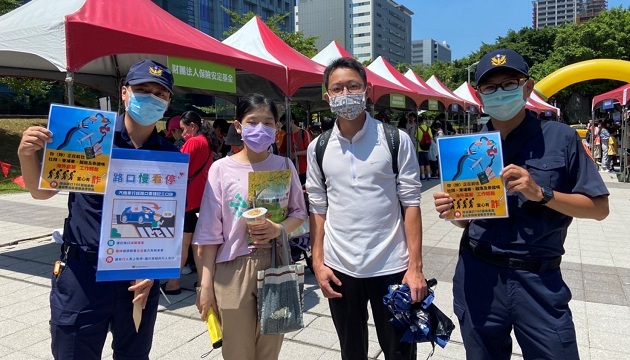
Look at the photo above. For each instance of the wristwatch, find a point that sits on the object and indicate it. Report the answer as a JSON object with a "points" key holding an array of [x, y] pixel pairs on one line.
{"points": [[547, 194]]}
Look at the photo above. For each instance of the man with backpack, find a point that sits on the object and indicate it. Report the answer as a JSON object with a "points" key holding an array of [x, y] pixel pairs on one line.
{"points": [[366, 228], [424, 136]]}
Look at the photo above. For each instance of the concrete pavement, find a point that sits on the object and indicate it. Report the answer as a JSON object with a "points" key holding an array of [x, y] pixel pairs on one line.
{"points": [[596, 266]]}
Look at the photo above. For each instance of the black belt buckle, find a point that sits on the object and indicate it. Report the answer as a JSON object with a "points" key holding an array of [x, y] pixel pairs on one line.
{"points": [[75, 251], [518, 264]]}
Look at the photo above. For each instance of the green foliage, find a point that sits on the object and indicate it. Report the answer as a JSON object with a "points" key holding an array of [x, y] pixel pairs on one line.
{"points": [[302, 44], [606, 36], [8, 5]]}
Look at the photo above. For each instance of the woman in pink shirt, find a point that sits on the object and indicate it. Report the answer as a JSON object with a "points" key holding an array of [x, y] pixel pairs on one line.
{"points": [[233, 253]]}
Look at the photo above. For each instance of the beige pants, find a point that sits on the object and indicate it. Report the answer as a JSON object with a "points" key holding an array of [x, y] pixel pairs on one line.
{"points": [[236, 294]]}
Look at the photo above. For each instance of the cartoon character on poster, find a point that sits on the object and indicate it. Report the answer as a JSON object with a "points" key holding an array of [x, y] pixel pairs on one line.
{"points": [[470, 166], [78, 157]]}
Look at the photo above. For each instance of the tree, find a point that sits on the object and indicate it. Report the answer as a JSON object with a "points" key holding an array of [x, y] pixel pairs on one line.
{"points": [[302, 44], [8, 5]]}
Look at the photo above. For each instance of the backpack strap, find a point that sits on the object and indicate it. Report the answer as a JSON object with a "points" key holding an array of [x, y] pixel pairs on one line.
{"points": [[320, 148], [392, 135]]}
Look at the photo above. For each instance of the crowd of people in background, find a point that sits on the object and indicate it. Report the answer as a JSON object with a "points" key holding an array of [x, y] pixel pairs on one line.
{"points": [[603, 139]]}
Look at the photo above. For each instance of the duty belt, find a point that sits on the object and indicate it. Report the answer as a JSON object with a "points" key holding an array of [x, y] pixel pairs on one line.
{"points": [[75, 252], [509, 262]]}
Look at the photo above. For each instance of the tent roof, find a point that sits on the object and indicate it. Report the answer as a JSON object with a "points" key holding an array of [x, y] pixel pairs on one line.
{"points": [[380, 86], [414, 78], [383, 68], [466, 92], [434, 83], [257, 39], [95, 39], [620, 94], [537, 103]]}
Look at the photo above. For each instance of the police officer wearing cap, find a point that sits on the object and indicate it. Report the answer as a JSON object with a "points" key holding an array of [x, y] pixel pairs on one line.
{"points": [[82, 311], [508, 274]]}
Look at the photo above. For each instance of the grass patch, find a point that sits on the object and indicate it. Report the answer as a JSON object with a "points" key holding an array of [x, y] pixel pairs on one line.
{"points": [[10, 135]]}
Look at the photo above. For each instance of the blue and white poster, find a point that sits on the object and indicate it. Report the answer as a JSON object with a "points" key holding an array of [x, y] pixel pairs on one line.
{"points": [[143, 216], [469, 169], [77, 159]]}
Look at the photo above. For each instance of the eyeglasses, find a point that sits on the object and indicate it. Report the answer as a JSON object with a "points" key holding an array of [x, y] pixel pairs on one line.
{"points": [[506, 85], [352, 87]]}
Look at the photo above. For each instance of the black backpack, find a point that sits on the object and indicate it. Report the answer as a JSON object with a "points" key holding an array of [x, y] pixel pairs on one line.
{"points": [[393, 144]]}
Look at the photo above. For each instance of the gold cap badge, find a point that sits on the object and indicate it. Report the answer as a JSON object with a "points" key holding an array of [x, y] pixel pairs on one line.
{"points": [[155, 71], [498, 60]]}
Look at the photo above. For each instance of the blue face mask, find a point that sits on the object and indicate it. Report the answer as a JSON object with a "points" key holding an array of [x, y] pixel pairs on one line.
{"points": [[146, 109], [503, 105]]}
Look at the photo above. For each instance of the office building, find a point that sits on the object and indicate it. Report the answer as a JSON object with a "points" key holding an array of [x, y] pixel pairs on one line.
{"points": [[557, 12], [366, 28], [428, 51], [209, 17]]}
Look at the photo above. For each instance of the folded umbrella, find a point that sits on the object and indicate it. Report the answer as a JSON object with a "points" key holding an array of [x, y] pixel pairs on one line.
{"points": [[422, 321]]}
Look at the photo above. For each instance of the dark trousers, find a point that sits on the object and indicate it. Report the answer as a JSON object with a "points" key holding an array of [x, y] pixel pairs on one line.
{"points": [[83, 311], [489, 301], [350, 317]]}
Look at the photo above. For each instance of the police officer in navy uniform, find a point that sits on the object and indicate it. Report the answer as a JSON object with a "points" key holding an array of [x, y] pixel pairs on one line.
{"points": [[83, 311], [508, 275]]}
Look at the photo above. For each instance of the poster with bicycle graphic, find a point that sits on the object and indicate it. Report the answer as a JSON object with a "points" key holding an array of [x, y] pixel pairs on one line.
{"points": [[78, 157], [470, 167]]}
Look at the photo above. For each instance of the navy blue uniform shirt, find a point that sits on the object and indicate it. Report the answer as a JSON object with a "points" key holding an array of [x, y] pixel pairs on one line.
{"points": [[554, 156], [83, 225]]}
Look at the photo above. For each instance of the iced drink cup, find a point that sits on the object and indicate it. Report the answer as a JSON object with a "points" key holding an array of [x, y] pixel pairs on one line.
{"points": [[255, 216]]}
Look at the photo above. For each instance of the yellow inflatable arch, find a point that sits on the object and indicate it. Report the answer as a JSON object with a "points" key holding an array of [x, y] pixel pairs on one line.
{"points": [[582, 71]]}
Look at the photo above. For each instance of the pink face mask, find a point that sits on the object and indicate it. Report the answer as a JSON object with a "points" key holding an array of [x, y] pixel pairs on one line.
{"points": [[258, 137]]}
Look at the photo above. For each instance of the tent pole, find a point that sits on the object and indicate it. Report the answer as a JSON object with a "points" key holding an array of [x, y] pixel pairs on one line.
{"points": [[70, 87], [289, 133]]}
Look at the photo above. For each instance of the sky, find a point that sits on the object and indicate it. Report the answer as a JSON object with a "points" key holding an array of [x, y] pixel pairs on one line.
{"points": [[465, 24]]}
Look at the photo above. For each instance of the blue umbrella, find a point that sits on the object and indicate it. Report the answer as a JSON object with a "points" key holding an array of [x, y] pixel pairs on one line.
{"points": [[422, 321]]}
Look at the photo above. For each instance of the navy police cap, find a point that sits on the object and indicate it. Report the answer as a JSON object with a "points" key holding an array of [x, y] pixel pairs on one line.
{"points": [[500, 60], [150, 71]]}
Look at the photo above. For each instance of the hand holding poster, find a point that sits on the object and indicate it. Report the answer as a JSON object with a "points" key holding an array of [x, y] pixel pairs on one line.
{"points": [[469, 169], [143, 216], [77, 159]]}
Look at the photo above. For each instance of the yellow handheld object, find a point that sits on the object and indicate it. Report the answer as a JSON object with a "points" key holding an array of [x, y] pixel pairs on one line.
{"points": [[214, 329]]}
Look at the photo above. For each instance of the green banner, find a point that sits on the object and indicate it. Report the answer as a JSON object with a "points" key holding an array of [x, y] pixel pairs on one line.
{"points": [[397, 101], [433, 105], [201, 74]]}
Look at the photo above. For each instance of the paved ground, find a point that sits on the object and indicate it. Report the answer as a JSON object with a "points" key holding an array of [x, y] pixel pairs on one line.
{"points": [[596, 266]]}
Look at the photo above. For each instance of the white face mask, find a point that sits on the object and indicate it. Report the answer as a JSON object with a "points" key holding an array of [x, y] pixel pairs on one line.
{"points": [[348, 106]]}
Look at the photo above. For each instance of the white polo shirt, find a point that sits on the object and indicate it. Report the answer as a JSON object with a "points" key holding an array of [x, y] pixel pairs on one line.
{"points": [[364, 232]]}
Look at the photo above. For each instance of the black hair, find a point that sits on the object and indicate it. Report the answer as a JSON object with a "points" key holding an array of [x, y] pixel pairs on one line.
{"points": [[221, 124], [402, 122], [348, 63], [191, 117], [413, 115], [327, 123], [253, 101]]}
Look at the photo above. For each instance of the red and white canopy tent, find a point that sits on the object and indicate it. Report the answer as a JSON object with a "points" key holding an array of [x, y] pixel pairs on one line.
{"points": [[438, 86], [94, 42], [619, 94], [536, 103], [300, 72], [448, 101], [380, 86], [468, 94], [384, 69]]}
